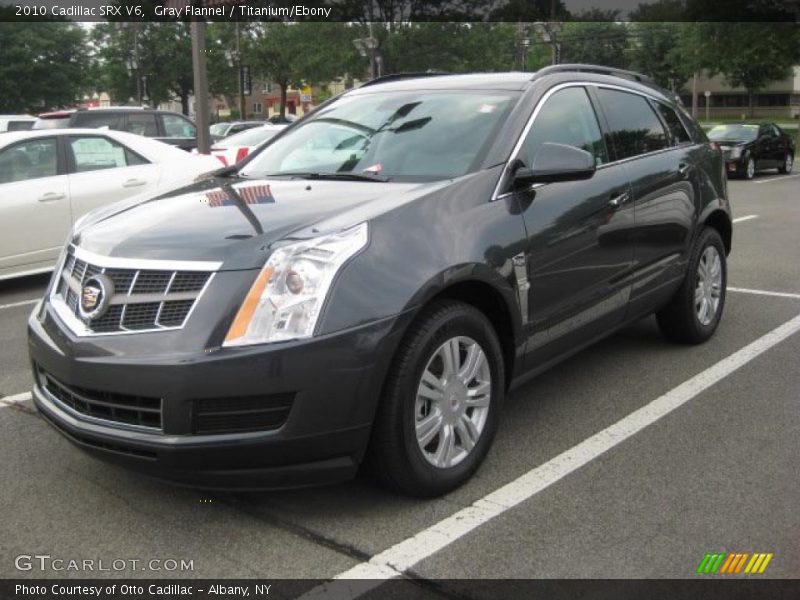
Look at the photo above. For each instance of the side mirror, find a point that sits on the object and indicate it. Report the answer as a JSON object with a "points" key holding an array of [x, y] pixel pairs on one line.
{"points": [[556, 162]]}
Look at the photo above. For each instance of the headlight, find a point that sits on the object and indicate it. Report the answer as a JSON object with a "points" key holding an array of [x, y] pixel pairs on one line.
{"points": [[736, 152], [287, 297]]}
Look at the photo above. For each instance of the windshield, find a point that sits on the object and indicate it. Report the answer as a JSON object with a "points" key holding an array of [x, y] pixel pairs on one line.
{"points": [[251, 137], [219, 128], [733, 133], [420, 135]]}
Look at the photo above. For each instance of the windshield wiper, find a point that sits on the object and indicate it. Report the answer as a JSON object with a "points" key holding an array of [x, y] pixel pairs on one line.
{"points": [[344, 176]]}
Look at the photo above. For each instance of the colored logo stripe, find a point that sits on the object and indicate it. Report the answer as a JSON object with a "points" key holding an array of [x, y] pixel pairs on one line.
{"points": [[733, 562]]}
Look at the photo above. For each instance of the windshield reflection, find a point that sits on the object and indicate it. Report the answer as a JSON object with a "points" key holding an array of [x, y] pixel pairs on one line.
{"points": [[418, 136]]}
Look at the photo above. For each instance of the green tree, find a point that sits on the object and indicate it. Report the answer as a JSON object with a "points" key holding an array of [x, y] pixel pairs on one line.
{"points": [[451, 47], [159, 53], [303, 52], [597, 38], [655, 52], [750, 55], [43, 65]]}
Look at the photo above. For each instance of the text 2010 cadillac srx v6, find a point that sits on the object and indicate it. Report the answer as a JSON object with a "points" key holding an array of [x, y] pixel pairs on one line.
{"points": [[368, 286]]}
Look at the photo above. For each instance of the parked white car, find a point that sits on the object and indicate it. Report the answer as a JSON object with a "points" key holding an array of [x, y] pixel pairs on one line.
{"points": [[16, 122], [50, 178], [236, 147]]}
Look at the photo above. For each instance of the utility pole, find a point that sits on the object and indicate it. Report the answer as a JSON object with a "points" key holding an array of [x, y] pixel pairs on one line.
{"points": [[242, 104], [200, 84]]}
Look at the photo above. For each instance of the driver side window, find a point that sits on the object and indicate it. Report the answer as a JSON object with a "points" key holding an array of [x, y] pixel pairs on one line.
{"points": [[567, 117]]}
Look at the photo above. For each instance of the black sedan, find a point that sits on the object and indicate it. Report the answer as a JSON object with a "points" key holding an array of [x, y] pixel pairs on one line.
{"points": [[749, 148]]}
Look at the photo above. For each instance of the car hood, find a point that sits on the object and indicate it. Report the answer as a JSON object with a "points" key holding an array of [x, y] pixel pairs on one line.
{"points": [[234, 221]]}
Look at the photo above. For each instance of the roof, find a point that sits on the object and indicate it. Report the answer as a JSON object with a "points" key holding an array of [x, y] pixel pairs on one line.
{"points": [[514, 80], [18, 117], [13, 136], [480, 81]]}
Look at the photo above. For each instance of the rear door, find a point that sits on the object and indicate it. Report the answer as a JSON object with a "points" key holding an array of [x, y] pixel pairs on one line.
{"points": [[34, 204], [103, 170], [579, 251], [661, 166], [178, 131]]}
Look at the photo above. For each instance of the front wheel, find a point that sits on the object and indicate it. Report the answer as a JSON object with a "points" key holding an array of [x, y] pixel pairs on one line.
{"points": [[787, 165], [749, 167], [441, 402], [694, 312]]}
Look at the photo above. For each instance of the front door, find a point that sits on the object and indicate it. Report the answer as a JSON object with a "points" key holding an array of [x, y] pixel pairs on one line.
{"points": [[579, 252], [34, 205]]}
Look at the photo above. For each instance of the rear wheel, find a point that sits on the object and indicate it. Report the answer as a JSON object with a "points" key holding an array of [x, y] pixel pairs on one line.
{"points": [[787, 165], [441, 402], [693, 314]]}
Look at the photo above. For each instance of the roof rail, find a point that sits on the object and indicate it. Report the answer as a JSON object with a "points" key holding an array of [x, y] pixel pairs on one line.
{"points": [[571, 68], [401, 76]]}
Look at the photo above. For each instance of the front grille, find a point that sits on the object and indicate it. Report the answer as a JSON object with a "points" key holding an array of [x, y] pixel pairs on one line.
{"points": [[247, 413], [143, 299], [107, 406]]}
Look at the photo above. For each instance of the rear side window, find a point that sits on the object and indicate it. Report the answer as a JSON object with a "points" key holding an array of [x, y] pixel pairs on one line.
{"points": [[142, 124], [178, 127], [635, 128], [567, 117], [92, 120], [95, 153], [32, 159], [19, 125], [676, 128]]}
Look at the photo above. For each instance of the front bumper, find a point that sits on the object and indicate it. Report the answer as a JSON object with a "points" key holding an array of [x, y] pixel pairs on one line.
{"points": [[333, 381], [733, 165]]}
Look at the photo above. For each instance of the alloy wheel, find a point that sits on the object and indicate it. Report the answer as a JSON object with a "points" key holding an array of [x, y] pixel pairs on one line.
{"points": [[452, 403], [709, 286], [751, 168]]}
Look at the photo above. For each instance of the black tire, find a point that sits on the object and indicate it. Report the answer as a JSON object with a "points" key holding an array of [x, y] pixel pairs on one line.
{"points": [[788, 163], [745, 172], [678, 320], [394, 455]]}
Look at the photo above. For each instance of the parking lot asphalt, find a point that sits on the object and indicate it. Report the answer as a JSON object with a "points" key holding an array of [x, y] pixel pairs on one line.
{"points": [[714, 474]]}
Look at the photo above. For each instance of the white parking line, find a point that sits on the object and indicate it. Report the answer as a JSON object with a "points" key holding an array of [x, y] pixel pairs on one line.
{"points": [[763, 292], [15, 399], [403, 556], [782, 178], [15, 304], [745, 218]]}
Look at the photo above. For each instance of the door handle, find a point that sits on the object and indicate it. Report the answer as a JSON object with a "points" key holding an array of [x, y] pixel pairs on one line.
{"points": [[618, 199], [134, 183], [51, 196], [684, 169]]}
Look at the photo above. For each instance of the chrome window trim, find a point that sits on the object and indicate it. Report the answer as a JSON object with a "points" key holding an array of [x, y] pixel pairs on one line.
{"points": [[79, 328], [497, 195]]}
